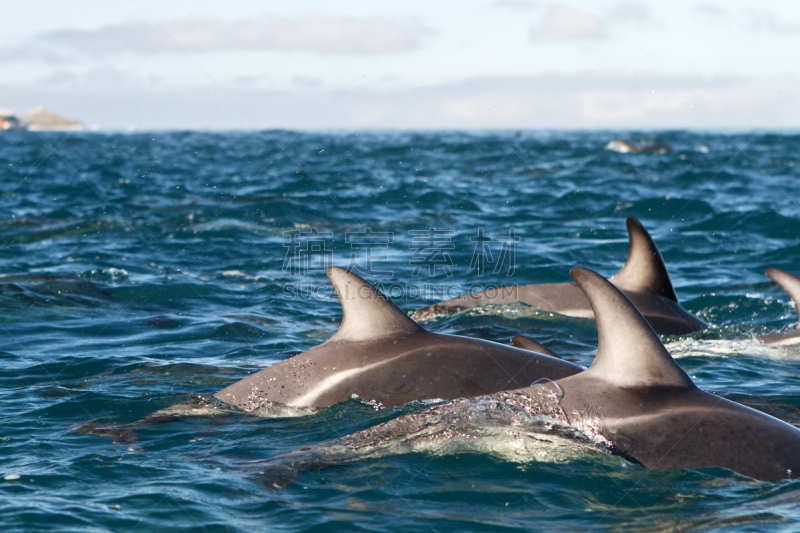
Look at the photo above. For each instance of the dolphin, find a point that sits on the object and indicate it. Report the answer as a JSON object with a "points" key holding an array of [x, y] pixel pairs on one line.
{"points": [[791, 285], [526, 343], [381, 354], [49, 290], [644, 280], [623, 147], [634, 401]]}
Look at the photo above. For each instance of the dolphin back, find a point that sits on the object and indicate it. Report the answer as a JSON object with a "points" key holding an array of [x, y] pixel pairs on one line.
{"points": [[629, 353], [650, 411], [379, 353], [644, 270], [366, 312]]}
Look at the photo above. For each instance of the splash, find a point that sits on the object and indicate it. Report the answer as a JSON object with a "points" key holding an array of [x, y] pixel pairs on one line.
{"points": [[724, 348], [520, 426]]}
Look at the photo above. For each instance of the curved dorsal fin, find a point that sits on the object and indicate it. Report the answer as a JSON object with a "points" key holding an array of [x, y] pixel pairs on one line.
{"points": [[788, 282], [526, 343], [367, 313], [629, 353], [644, 270]]}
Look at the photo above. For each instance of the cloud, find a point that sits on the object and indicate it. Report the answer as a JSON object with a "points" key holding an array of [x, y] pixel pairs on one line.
{"points": [[711, 10], [607, 81], [104, 76], [515, 4], [307, 82], [562, 23], [247, 79], [628, 12], [320, 34], [771, 22], [30, 52], [605, 99], [565, 23], [60, 77]]}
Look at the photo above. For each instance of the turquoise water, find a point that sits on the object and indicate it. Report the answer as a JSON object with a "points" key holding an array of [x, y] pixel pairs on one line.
{"points": [[141, 271]]}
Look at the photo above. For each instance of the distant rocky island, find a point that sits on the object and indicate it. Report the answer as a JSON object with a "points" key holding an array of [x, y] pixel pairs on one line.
{"points": [[37, 120]]}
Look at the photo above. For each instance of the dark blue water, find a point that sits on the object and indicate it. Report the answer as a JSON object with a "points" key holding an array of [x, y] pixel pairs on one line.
{"points": [[142, 271]]}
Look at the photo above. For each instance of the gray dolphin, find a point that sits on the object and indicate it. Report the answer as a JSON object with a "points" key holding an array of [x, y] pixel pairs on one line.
{"points": [[526, 343], [644, 280], [649, 409], [380, 353], [791, 285], [624, 147], [634, 400]]}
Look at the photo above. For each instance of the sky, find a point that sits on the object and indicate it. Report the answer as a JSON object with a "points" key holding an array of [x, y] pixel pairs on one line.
{"points": [[413, 64]]}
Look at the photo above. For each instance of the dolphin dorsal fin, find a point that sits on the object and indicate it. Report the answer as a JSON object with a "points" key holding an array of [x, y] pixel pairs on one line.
{"points": [[629, 353], [644, 270], [526, 343], [788, 282], [367, 313]]}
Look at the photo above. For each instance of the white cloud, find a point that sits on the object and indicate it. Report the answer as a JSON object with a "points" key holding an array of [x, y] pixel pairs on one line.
{"points": [[710, 9], [320, 34], [515, 4], [608, 99], [60, 77], [30, 52], [562, 22], [628, 12], [596, 106], [307, 82], [772, 22], [246, 79], [105, 76]]}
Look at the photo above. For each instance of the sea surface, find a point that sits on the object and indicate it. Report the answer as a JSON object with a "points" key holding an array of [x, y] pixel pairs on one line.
{"points": [[142, 271]]}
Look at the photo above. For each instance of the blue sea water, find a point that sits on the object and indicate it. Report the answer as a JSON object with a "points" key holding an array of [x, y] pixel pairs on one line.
{"points": [[140, 271]]}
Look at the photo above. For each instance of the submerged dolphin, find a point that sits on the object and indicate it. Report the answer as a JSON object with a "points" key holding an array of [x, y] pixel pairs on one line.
{"points": [[526, 343], [634, 400], [624, 147], [791, 285], [643, 279], [380, 353]]}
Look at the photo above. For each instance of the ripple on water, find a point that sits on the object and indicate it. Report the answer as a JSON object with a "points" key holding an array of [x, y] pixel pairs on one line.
{"points": [[142, 273]]}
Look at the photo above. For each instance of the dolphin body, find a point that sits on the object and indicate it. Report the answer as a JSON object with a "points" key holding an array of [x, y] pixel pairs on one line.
{"points": [[634, 400], [380, 353], [526, 343], [791, 285], [643, 279], [623, 147]]}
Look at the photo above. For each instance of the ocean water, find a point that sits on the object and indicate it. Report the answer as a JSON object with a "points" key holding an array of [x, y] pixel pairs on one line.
{"points": [[141, 271]]}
